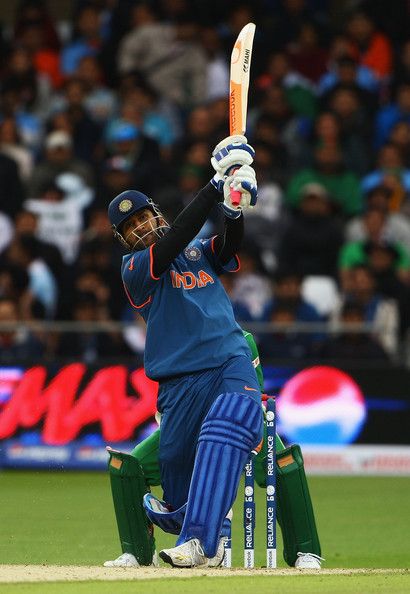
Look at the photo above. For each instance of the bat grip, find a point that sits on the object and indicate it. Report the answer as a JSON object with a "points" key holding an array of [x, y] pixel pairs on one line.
{"points": [[235, 194]]}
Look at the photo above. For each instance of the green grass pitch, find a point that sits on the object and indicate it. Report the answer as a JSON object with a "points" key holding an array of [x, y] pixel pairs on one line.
{"points": [[64, 518]]}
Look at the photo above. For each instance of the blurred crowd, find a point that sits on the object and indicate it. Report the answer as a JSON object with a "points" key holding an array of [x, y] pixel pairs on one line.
{"points": [[133, 94]]}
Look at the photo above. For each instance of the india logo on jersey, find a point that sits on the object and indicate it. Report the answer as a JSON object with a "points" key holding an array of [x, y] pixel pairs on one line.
{"points": [[188, 280], [192, 253]]}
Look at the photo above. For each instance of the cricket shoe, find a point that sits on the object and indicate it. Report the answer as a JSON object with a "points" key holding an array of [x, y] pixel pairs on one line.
{"points": [[308, 561], [187, 554], [128, 560], [220, 553]]}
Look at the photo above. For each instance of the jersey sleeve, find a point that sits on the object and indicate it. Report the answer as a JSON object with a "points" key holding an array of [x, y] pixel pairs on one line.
{"points": [[138, 278], [208, 247]]}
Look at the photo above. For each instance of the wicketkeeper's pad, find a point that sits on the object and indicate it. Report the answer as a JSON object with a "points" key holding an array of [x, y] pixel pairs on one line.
{"points": [[295, 511], [128, 488]]}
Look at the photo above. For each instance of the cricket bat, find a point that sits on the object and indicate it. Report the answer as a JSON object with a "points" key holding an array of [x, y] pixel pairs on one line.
{"points": [[238, 88]]}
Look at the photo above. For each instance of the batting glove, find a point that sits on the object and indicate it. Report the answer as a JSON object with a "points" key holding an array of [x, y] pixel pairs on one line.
{"points": [[231, 152], [243, 180]]}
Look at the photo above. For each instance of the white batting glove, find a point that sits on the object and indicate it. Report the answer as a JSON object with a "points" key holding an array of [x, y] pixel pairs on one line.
{"points": [[231, 152], [243, 180]]}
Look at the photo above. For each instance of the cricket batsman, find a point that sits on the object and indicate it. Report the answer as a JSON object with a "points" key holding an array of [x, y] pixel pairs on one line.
{"points": [[209, 394]]}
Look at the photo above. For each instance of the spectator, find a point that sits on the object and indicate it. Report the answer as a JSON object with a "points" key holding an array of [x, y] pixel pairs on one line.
{"points": [[135, 334], [99, 101], [354, 345], [391, 173], [24, 252], [381, 312], [178, 75], [251, 291], [126, 140], [6, 231], [346, 70], [26, 226], [97, 273], [32, 88], [344, 133], [289, 17], [396, 225], [307, 54], [400, 138], [115, 177], [355, 127], [401, 74], [11, 188], [13, 282], [313, 237], [139, 107], [287, 290], [217, 76], [35, 12], [374, 250], [289, 127], [59, 159], [11, 145], [90, 346], [23, 96], [88, 41], [374, 47], [60, 209], [267, 137], [299, 92], [265, 225], [19, 344], [46, 60], [286, 342], [328, 170], [389, 115], [84, 131]]}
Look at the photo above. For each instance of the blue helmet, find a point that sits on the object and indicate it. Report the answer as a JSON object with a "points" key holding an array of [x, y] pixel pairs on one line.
{"points": [[126, 204]]}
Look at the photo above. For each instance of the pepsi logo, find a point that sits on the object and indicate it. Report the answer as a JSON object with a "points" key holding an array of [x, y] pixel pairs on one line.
{"points": [[321, 405]]}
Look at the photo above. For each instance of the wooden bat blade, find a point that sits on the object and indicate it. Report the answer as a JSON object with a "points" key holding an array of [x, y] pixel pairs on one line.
{"points": [[239, 84]]}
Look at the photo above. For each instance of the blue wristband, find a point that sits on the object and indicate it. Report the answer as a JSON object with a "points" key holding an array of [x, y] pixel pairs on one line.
{"points": [[231, 213]]}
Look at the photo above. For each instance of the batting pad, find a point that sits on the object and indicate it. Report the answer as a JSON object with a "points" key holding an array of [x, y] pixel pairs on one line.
{"points": [[232, 428]]}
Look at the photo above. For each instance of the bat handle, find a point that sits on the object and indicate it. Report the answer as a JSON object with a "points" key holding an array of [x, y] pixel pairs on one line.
{"points": [[235, 194]]}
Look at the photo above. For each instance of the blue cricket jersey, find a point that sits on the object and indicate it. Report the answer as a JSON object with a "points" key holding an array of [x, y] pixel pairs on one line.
{"points": [[190, 321]]}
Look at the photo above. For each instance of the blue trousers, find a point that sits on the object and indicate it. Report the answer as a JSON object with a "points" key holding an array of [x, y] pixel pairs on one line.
{"points": [[184, 403]]}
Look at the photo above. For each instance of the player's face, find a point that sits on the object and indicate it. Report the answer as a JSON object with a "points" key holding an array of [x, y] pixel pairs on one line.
{"points": [[139, 231]]}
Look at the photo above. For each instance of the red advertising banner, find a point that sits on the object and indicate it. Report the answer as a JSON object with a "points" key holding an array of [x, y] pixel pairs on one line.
{"points": [[117, 398]]}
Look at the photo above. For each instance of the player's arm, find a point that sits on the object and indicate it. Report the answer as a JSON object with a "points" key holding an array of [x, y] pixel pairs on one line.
{"points": [[190, 221], [228, 244], [183, 230]]}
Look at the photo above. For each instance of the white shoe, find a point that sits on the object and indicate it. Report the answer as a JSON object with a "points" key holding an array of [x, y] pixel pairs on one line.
{"points": [[188, 554], [128, 560], [308, 561], [124, 560], [219, 557]]}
